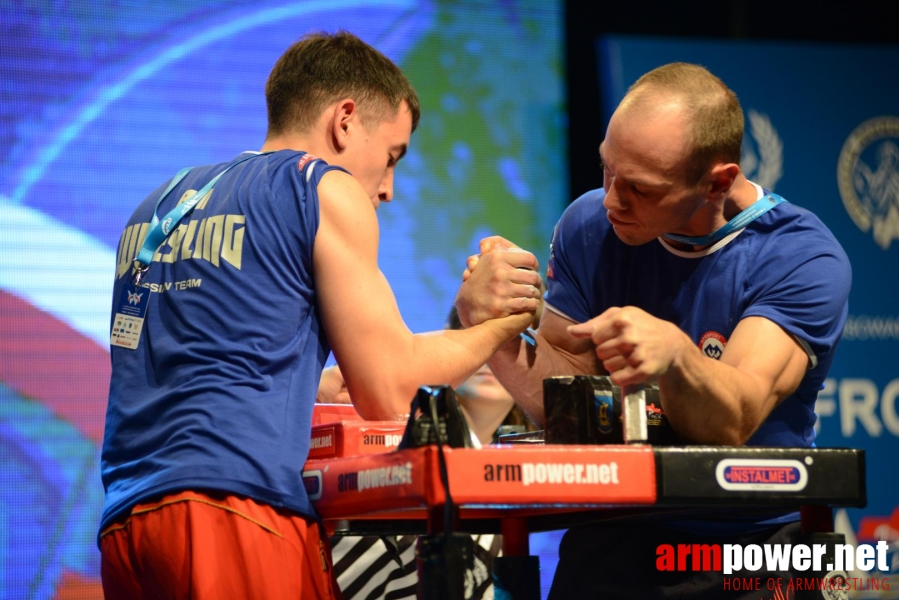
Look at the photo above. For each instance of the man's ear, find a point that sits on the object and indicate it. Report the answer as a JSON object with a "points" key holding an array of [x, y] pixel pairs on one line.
{"points": [[722, 178], [344, 120]]}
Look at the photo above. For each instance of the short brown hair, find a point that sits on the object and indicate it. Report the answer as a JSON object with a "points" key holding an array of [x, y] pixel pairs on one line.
{"points": [[713, 111], [322, 68]]}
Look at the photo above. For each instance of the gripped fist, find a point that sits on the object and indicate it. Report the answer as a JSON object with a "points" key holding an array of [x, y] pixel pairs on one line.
{"points": [[633, 346], [489, 244], [501, 281]]}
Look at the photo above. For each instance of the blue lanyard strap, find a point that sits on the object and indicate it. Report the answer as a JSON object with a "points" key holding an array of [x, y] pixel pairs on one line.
{"points": [[159, 231], [761, 206]]}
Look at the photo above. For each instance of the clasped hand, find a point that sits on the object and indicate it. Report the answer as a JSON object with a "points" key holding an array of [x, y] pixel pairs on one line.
{"points": [[633, 346], [502, 280]]}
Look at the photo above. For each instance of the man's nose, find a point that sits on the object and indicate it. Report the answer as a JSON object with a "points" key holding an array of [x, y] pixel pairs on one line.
{"points": [[613, 201], [385, 190]]}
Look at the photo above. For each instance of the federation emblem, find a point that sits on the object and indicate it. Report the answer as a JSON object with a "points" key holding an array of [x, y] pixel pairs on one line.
{"points": [[762, 160], [134, 298], [712, 344], [868, 178]]}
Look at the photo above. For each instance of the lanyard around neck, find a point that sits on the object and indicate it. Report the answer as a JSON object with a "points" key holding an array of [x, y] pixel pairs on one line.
{"points": [[160, 230], [747, 216]]}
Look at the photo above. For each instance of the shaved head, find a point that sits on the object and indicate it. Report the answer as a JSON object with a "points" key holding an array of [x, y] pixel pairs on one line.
{"points": [[711, 112]]}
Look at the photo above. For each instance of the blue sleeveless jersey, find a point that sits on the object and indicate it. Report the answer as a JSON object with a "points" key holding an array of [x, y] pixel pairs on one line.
{"points": [[219, 393], [785, 266]]}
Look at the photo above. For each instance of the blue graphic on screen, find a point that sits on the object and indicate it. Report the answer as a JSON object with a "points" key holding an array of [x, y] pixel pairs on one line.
{"points": [[102, 102]]}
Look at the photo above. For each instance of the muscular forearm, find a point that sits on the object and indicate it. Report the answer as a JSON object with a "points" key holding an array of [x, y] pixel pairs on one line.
{"points": [[725, 401], [385, 385], [521, 368], [708, 402], [452, 356]]}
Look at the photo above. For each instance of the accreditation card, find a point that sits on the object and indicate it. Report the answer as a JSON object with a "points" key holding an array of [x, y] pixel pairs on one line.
{"points": [[131, 309]]}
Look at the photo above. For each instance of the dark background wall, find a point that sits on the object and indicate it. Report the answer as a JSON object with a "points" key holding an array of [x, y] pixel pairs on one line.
{"points": [[860, 21]]}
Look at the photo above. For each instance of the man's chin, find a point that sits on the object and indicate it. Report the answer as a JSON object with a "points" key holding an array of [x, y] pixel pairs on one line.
{"points": [[628, 238]]}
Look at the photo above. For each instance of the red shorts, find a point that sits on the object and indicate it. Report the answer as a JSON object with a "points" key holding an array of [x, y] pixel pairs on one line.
{"points": [[191, 545]]}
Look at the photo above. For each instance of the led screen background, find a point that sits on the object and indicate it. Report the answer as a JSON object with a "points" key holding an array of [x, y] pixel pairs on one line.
{"points": [[101, 102]]}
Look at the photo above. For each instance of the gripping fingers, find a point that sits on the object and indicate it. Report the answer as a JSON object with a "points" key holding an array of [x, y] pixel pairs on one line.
{"points": [[470, 263], [615, 363], [495, 242], [526, 304], [612, 347], [526, 277], [526, 291], [521, 259]]}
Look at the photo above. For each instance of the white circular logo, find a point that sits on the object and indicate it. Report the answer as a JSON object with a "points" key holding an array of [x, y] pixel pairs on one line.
{"points": [[868, 178], [712, 344]]}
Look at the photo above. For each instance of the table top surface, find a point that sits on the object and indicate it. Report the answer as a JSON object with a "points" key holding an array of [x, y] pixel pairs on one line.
{"points": [[535, 479]]}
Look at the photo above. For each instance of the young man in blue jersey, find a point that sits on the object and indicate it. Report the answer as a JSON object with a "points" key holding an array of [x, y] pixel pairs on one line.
{"points": [[220, 332], [679, 270]]}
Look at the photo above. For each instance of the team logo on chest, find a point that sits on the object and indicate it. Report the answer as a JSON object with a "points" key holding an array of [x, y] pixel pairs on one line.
{"points": [[712, 344]]}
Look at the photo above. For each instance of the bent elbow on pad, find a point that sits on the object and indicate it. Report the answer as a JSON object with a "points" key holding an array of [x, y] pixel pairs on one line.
{"points": [[386, 405]]}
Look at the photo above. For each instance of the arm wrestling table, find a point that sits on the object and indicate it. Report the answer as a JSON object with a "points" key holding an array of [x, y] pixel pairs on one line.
{"points": [[517, 489], [514, 489]]}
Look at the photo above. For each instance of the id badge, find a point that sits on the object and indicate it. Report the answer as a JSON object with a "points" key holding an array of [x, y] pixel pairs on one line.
{"points": [[131, 309]]}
